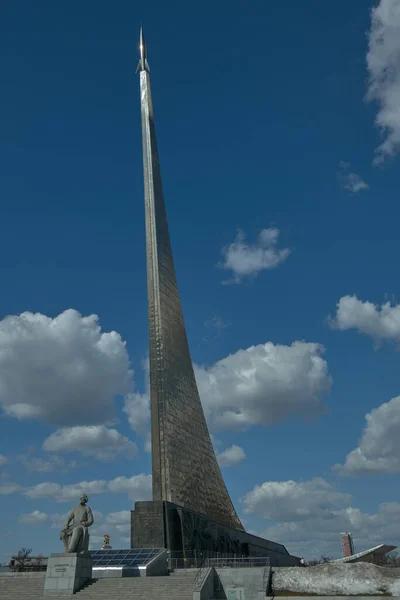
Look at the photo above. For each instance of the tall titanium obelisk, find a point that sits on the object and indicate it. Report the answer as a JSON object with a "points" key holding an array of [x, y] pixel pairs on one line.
{"points": [[184, 466]]}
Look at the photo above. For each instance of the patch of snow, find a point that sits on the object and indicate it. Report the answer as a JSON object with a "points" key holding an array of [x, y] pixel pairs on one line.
{"points": [[338, 579]]}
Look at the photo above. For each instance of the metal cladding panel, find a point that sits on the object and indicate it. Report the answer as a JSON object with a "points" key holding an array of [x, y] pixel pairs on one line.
{"points": [[185, 469]]}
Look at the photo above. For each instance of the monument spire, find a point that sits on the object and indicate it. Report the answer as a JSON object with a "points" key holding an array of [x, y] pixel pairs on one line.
{"points": [[184, 465]]}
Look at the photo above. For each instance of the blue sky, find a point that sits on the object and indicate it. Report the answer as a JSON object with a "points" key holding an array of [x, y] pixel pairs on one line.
{"points": [[278, 128]]}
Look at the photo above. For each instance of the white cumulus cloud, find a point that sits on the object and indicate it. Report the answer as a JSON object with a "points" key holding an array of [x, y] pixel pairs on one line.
{"points": [[118, 518], [137, 406], [379, 448], [231, 457], [264, 384], [91, 440], [44, 465], [116, 525], [308, 516], [147, 443], [379, 322], [318, 536], [294, 501], [383, 63], [138, 487], [261, 385], [34, 517], [10, 488], [137, 409], [63, 371], [125, 541], [351, 181], [121, 521], [248, 260]]}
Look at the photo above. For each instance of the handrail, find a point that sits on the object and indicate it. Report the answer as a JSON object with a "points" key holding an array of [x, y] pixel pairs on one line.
{"points": [[201, 575], [241, 561]]}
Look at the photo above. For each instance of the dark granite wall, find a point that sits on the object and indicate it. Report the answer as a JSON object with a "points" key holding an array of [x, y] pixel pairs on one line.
{"points": [[167, 525]]}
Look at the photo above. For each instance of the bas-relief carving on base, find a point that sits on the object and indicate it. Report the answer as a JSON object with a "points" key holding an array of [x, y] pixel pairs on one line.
{"points": [[182, 530], [199, 533]]}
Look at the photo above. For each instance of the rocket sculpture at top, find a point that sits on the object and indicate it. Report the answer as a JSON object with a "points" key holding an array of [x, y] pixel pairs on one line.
{"points": [[143, 65]]}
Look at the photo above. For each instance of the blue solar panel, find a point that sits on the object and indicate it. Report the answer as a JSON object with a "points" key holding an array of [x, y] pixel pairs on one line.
{"points": [[123, 558]]}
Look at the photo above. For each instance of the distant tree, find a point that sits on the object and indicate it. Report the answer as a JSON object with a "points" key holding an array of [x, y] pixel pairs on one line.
{"points": [[21, 558], [324, 559]]}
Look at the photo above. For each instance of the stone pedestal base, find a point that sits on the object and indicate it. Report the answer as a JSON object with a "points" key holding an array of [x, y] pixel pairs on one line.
{"points": [[67, 572]]}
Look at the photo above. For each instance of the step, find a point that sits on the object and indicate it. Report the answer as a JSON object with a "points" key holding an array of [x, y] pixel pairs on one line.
{"points": [[136, 588]]}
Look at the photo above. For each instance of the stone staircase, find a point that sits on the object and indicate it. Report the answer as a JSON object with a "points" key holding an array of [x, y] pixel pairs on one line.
{"points": [[22, 586], [177, 586], [172, 587]]}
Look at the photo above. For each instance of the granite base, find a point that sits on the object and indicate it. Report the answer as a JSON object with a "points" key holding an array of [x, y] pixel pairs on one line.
{"points": [[67, 572]]}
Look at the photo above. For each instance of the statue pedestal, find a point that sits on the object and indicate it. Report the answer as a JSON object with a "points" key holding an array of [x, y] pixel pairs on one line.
{"points": [[67, 572]]}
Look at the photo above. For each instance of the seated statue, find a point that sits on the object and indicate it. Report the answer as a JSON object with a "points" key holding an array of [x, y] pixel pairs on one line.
{"points": [[75, 535]]}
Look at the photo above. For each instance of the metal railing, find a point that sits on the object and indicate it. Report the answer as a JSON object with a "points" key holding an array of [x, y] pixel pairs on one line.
{"points": [[266, 577], [240, 561], [201, 575], [192, 559], [233, 562]]}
